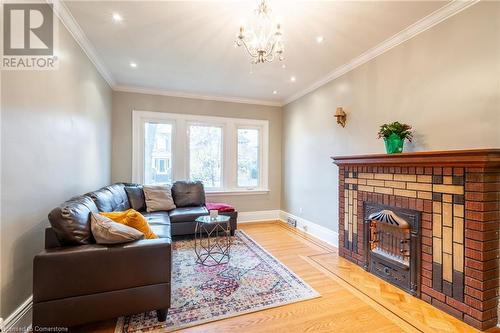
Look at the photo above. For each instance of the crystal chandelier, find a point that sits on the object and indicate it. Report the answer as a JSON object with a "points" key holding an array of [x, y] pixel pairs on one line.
{"points": [[264, 39]]}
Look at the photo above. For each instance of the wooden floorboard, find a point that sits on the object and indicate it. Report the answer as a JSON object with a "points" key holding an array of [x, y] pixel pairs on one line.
{"points": [[352, 300]]}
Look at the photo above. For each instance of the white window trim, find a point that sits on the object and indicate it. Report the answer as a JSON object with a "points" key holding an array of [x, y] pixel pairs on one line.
{"points": [[180, 148]]}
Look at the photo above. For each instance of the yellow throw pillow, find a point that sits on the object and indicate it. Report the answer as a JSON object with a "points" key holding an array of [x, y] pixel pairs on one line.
{"points": [[133, 219]]}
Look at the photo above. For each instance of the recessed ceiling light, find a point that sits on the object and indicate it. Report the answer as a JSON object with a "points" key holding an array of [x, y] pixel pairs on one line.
{"points": [[283, 66], [293, 79], [117, 17], [275, 92], [133, 65], [320, 39]]}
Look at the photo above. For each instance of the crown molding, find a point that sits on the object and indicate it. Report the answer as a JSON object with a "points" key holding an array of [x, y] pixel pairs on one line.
{"points": [[76, 31], [230, 99], [411, 31]]}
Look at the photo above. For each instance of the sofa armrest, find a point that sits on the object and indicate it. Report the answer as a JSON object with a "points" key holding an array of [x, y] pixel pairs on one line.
{"points": [[90, 269]]}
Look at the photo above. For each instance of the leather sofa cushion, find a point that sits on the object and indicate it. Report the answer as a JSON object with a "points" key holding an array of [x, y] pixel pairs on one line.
{"points": [[157, 218], [187, 214], [71, 221], [188, 194], [110, 198], [188, 228], [159, 223], [162, 230], [135, 196]]}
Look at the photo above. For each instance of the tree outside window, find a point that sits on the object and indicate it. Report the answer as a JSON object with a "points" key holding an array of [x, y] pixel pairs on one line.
{"points": [[205, 155]]}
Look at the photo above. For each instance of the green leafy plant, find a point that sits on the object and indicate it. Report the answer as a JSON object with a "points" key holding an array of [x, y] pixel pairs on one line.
{"points": [[401, 130]]}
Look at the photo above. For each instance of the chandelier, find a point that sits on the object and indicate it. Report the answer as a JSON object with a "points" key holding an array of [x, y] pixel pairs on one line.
{"points": [[264, 38]]}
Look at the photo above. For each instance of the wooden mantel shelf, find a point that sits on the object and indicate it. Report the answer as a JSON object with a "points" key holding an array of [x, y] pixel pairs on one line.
{"points": [[471, 158]]}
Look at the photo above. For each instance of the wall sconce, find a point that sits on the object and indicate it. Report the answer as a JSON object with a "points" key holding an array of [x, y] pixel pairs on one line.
{"points": [[341, 116]]}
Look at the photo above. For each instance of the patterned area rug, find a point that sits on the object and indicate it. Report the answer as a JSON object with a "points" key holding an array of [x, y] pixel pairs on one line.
{"points": [[253, 280]]}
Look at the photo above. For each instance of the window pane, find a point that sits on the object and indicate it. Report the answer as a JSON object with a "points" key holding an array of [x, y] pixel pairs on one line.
{"points": [[205, 154], [157, 153], [248, 157]]}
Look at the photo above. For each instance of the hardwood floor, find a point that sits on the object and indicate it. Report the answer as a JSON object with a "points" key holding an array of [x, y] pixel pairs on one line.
{"points": [[352, 300]]}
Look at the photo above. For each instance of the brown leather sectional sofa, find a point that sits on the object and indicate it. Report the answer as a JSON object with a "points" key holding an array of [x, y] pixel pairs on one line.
{"points": [[76, 281]]}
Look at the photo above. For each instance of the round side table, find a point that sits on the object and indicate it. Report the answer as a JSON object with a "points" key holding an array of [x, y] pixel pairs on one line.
{"points": [[212, 240]]}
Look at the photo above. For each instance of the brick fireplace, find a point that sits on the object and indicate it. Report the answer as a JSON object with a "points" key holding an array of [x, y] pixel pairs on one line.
{"points": [[456, 197]]}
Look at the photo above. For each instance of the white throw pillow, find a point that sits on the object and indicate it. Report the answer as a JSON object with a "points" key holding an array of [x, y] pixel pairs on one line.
{"points": [[158, 198], [107, 231]]}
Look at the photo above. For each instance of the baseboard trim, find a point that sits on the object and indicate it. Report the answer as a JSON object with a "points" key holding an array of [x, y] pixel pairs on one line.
{"points": [[20, 319], [328, 236], [258, 216]]}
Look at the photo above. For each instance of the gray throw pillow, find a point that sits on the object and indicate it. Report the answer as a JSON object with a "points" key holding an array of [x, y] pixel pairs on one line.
{"points": [[106, 231], [136, 198], [158, 198]]}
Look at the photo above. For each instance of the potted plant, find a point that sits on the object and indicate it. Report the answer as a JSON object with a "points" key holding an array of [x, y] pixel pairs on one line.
{"points": [[394, 135]]}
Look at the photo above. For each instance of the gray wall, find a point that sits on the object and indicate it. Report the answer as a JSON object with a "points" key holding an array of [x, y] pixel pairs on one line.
{"points": [[56, 143], [124, 103], [444, 82]]}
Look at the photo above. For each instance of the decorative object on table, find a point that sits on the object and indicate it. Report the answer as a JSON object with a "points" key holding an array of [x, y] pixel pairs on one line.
{"points": [[263, 40], [212, 240], [252, 281], [341, 116], [213, 213], [394, 135]]}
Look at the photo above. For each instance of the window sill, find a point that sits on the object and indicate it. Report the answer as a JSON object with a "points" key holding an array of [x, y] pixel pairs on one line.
{"points": [[236, 192]]}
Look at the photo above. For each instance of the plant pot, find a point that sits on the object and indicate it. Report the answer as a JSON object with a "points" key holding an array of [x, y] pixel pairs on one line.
{"points": [[394, 144]]}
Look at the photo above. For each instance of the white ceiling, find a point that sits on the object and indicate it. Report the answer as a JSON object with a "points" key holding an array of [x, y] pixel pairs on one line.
{"points": [[188, 46]]}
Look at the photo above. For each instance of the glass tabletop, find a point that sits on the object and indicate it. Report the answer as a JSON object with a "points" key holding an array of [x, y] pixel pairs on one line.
{"points": [[208, 219]]}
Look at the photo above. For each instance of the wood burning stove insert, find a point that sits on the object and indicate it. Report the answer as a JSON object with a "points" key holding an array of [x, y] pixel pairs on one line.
{"points": [[392, 243]]}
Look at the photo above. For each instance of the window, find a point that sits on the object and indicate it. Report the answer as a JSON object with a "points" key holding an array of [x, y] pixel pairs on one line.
{"points": [[248, 157], [229, 155], [157, 153], [205, 155]]}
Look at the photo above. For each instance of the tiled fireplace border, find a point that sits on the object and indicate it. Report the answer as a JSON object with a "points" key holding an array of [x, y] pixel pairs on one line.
{"points": [[458, 194]]}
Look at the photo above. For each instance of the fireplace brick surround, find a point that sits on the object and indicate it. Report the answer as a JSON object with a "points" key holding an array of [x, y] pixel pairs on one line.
{"points": [[458, 196]]}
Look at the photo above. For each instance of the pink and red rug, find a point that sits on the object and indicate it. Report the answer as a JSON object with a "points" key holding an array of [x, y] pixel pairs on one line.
{"points": [[253, 280]]}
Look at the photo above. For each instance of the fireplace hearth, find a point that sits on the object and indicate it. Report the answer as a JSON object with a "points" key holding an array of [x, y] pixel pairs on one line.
{"points": [[392, 243]]}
